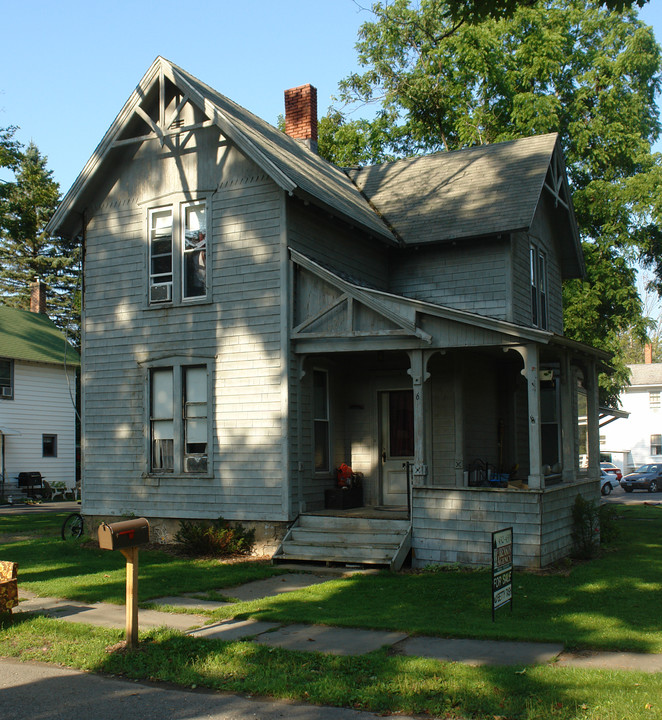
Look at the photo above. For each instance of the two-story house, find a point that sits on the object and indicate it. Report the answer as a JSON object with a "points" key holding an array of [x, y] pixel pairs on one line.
{"points": [[37, 396], [255, 316]]}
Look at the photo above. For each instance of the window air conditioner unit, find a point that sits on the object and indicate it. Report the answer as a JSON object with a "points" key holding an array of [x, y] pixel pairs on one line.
{"points": [[7, 392], [195, 464], [161, 292]]}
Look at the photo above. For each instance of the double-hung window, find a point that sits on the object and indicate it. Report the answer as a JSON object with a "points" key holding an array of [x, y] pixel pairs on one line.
{"points": [[656, 444], [6, 379], [538, 267], [179, 419], [178, 231]]}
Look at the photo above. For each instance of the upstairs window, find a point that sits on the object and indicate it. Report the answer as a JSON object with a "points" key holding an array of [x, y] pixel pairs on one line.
{"points": [[654, 400], [6, 379], [194, 259], [538, 288], [160, 255], [178, 231]]}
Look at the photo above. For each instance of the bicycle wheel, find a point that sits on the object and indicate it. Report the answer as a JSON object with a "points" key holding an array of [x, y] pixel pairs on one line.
{"points": [[72, 527]]}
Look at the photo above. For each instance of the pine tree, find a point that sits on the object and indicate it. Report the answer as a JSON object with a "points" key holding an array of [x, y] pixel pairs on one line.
{"points": [[27, 253]]}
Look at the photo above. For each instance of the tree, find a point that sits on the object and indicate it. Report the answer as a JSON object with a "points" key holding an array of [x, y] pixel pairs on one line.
{"points": [[27, 253], [566, 66]]}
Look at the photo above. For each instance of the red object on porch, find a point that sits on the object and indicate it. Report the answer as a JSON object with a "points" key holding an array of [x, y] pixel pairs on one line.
{"points": [[344, 475]]}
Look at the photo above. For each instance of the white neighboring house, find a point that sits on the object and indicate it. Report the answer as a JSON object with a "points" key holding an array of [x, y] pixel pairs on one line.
{"points": [[637, 439], [37, 384]]}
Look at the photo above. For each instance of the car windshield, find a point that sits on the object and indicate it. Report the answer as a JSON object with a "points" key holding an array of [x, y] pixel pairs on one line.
{"points": [[645, 468]]}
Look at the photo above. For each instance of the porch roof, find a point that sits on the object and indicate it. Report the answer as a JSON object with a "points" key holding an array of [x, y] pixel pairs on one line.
{"points": [[353, 315]]}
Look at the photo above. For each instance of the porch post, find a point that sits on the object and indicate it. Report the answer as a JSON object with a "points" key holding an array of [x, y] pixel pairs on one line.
{"points": [[419, 375], [530, 355], [568, 421], [592, 419]]}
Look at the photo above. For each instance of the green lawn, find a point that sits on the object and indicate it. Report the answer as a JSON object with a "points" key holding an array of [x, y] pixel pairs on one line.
{"points": [[610, 603]]}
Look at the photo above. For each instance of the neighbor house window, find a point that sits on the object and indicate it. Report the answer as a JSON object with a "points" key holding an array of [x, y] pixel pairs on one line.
{"points": [[538, 267], [6, 379], [321, 420], [179, 419], [654, 400], [656, 444], [49, 445], [178, 231]]}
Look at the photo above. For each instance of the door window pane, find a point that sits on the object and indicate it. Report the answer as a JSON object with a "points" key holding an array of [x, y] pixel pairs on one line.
{"points": [[401, 423]]}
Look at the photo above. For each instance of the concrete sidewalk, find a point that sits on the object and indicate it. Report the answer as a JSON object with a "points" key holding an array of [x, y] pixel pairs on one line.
{"points": [[332, 640]]}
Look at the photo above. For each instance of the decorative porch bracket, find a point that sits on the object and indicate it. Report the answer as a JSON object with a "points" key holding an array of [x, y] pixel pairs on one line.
{"points": [[530, 356], [418, 360]]}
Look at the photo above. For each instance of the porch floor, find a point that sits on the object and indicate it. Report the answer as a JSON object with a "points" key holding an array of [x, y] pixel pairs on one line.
{"points": [[376, 512]]}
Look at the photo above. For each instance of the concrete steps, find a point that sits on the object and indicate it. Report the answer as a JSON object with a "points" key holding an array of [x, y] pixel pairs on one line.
{"points": [[348, 540]]}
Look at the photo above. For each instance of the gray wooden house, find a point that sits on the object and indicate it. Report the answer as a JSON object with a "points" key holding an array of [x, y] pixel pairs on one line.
{"points": [[254, 317]]}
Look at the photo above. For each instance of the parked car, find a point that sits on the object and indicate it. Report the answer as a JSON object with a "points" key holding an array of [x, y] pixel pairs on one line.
{"points": [[645, 477], [611, 468], [607, 482]]}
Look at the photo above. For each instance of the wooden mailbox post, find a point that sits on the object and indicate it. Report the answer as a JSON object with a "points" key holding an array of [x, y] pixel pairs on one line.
{"points": [[126, 537]]}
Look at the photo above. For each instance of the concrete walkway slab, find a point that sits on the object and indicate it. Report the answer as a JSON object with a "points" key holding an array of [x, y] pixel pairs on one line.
{"points": [[276, 585], [480, 652], [189, 602], [107, 615], [230, 630], [332, 640], [612, 661]]}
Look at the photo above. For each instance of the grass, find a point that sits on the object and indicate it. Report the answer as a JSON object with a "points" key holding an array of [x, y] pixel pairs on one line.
{"points": [[609, 603], [51, 567]]}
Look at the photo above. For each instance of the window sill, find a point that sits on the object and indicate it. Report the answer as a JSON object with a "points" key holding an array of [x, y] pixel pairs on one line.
{"points": [[154, 480], [182, 304]]}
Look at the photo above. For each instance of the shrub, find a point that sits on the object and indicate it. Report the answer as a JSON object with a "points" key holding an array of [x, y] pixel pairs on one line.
{"points": [[585, 528], [217, 537]]}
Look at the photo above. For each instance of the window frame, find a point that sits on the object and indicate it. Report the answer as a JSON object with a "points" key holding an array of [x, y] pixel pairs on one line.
{"points": [[178, 210], [538, 278], [656, 446], [654, 400], [4, 395], [177, 367], [318, 421], [53, 438]]}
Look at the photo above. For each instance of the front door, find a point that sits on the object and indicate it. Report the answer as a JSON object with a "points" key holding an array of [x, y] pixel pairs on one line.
{"points": [[397, 444]]}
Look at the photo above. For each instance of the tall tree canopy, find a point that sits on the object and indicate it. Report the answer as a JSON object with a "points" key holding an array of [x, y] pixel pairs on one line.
{"points": [[566, 66], [26, 252]]}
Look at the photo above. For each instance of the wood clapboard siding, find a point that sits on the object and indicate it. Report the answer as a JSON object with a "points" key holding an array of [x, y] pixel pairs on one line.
{"points": [[455, 525], [239, 329], [42, 405], [472, 275], [330, 242]]}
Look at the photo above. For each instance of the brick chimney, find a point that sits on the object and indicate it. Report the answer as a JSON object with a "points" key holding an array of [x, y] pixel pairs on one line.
{"points": [[301, 115], [38, 297], [648, 353]]}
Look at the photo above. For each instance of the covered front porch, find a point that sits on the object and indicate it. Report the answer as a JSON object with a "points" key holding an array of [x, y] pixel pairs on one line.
{"points": [[442, 414]]}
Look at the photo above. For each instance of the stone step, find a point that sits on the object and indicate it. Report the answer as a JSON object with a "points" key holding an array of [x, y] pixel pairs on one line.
{"points": [[352, 523], [339, 537], [327, 538]]}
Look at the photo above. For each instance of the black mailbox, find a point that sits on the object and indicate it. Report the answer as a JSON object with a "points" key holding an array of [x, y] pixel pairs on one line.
{"points": [[124, 534]]}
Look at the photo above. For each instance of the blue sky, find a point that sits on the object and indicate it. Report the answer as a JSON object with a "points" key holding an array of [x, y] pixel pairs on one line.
{"points": [[69, 66]]}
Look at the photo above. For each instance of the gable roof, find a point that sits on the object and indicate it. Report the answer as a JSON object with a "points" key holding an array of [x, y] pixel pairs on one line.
{"points": [[33, 337], [476, 192], [479, 191], [645, 374], [290, 164]]}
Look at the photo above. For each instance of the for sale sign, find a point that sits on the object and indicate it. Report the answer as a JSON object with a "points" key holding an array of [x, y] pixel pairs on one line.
{"points": [[502, 569]]}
